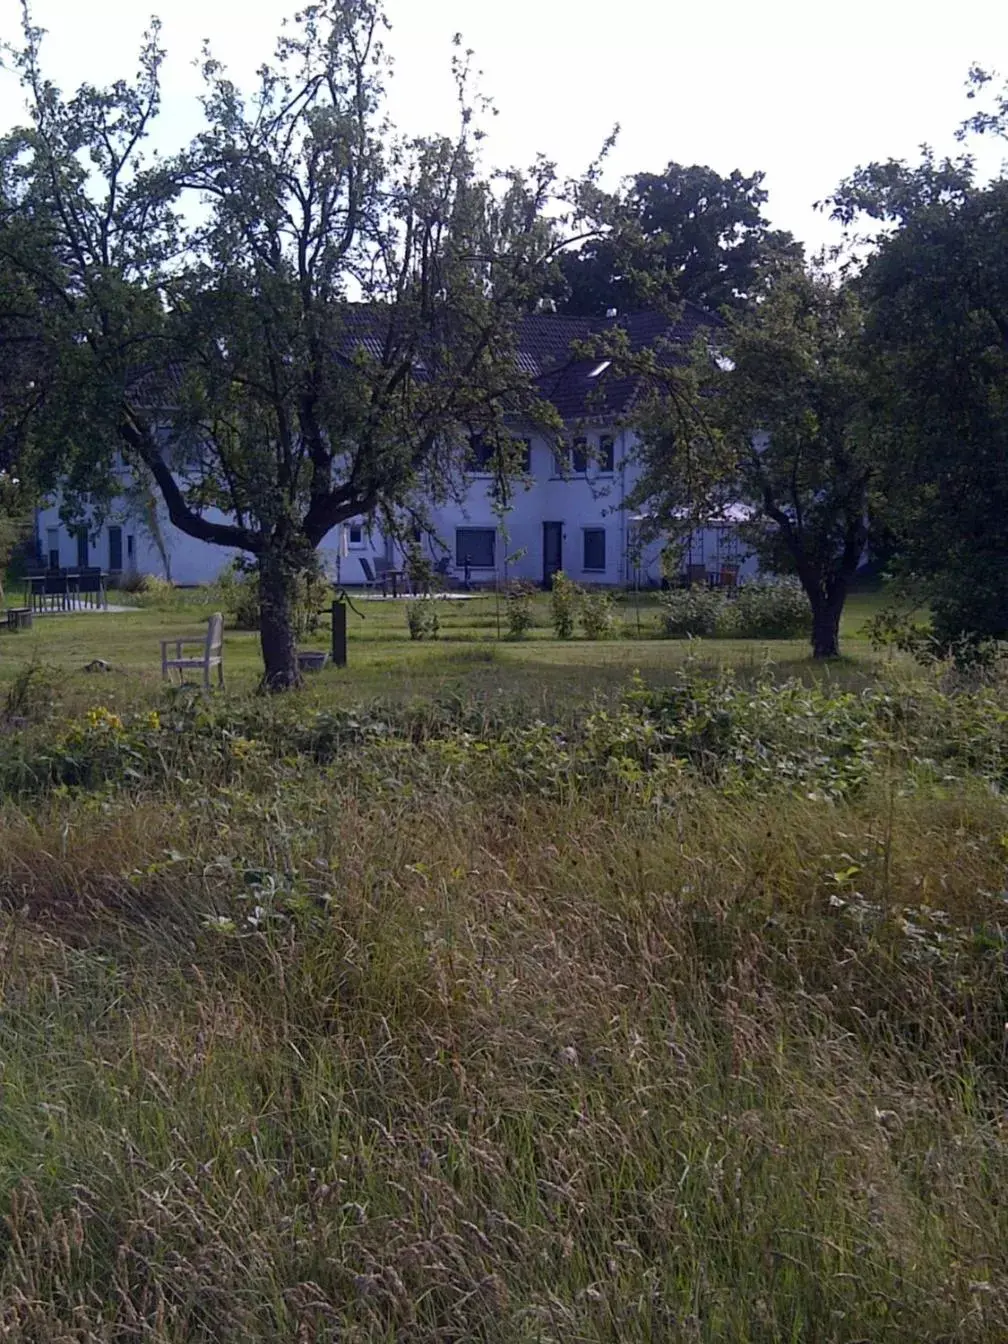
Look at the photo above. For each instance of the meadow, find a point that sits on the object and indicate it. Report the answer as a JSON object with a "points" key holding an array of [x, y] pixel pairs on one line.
{"points": [[501, 990]]}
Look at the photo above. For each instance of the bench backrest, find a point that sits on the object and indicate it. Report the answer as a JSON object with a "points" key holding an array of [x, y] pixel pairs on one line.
{"points": [[215, 635]]}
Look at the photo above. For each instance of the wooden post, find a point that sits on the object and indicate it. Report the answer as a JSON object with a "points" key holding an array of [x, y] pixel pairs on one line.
{"points": [[339, 649]]}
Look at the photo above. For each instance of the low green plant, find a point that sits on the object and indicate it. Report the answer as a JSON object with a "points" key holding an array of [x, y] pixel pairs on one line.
{"points": [[565, 599], [422, 618], [764, 609], [519, 610], [597, 614], [691, 613], [237, 588], [154, 589]]}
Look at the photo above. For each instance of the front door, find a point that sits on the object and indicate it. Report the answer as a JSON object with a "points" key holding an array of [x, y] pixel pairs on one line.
{"points": [[83, 555], [115, 549], [552, 551]]}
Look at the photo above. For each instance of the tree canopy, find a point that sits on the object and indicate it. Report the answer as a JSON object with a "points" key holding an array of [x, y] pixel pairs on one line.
{"points": [[770, 416], [934, 287], [685, 234], [317, 338]]}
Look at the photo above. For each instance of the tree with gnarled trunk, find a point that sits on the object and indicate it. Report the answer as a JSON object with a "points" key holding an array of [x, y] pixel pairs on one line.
{"points": [[318, 337]]}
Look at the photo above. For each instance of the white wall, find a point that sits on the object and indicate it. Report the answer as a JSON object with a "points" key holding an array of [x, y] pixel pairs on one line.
{"points": [[591, 500]]}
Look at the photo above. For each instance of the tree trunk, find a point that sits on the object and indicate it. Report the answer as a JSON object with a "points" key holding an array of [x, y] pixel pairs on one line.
{"points": [[827, 608], [277, 586]]}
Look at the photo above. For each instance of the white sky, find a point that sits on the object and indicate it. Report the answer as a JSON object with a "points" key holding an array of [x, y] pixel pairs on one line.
{"points": [[799, 88]]}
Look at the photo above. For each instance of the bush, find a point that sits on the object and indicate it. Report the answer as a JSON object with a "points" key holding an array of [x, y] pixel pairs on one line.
{"points": [[768, 609], [422, 618], [691, 613], [153, 587], [238, 587], [518, 609], [564, 604], [238, 591], [597, 614]]}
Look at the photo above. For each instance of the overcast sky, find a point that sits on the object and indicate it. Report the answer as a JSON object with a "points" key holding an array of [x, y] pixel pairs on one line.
{"points": [[802, 89]]}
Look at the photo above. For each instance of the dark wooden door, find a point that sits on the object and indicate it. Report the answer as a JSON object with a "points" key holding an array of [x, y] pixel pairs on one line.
{"points": [[552, 551], [115, 549]]}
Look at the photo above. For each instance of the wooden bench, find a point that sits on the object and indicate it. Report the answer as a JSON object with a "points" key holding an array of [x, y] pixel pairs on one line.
{"points": [[212, 655]]}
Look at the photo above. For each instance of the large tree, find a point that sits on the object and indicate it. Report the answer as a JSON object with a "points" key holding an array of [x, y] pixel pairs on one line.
{"points": [[769, 415], [935, 292], [687, 234], [317, 337]]}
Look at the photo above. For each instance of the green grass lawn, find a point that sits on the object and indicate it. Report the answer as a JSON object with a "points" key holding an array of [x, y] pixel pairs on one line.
{"points": [[480, 992], [382, 660]]}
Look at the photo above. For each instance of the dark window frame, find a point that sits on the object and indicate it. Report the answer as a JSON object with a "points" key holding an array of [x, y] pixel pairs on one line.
{"points": [[464, 546], [594, 533]]}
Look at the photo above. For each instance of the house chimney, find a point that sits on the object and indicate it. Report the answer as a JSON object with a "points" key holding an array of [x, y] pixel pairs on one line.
{"points": [[611, 312]]}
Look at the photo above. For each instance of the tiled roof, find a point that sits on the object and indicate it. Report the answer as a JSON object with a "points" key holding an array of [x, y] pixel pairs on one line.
{"points": [[567, 381], [545, 353]]}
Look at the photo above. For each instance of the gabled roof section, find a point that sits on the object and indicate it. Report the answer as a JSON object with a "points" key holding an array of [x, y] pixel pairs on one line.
{"points": [[590, 388]]}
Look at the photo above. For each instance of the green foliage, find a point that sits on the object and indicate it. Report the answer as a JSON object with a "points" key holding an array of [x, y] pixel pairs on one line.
{"points": [[686, 233], [782, 430], [519, 609], [289, 407], [718, 958], [422, 618], [565, 599], [936, 294], [237, 587], [597, 615], [769, 609], [692, 613]]}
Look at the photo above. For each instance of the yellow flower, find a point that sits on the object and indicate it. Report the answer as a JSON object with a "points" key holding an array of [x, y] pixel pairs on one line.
{"points": [[102, 718], [153, 720]]}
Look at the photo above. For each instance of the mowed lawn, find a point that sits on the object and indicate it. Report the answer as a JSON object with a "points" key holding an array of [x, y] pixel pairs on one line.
{"points": [[473, 648]]}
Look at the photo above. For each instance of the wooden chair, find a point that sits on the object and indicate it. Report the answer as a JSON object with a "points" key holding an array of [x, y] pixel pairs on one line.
{"points": [[212, 656]]}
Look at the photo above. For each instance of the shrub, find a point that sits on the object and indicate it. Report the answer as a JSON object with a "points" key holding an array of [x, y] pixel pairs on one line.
{"points": [[564, 604], [691, 613], [769, 609], [238, 590], [422, 618], [519, 609], [154, 588], [597, 614]]}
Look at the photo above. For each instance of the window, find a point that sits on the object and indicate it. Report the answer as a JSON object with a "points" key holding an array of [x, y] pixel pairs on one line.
{"points": [[481, 454], [114, 549], [83, 556], [475, 546], [52, 547], [606, 455], [579, 464], [355, 534], [594, 548]]}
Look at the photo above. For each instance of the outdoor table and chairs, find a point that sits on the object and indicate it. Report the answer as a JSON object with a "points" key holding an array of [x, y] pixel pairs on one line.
{"points": [[65, 589]]}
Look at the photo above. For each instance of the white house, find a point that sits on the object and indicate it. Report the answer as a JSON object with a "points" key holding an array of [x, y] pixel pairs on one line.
{"points": [[566, 514]]}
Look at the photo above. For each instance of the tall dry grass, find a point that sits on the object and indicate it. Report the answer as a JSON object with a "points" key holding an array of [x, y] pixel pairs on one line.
{"points": [[298, 1049]]}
